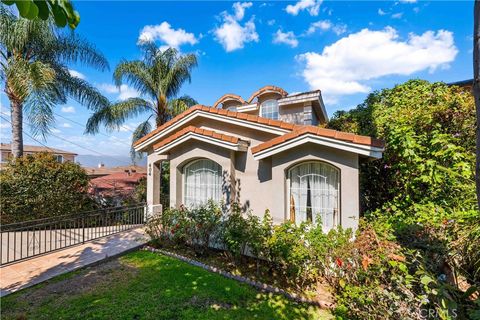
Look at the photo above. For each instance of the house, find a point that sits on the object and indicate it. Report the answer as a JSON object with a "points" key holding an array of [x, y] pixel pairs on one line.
{"points": [[115, 187], [60, 155], [265, 152], [101, 170]]}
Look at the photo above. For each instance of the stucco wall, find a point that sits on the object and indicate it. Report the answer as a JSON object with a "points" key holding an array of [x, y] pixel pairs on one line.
{"points": [[261, 185]]}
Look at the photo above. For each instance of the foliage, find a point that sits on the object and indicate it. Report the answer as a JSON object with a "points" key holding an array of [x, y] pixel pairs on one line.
{"points": [[146, 285], [428, 165], [158, 76], [37, 186], [34, 59], [62, 11]]}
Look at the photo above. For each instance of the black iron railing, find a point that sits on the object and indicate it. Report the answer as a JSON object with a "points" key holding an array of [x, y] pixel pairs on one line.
{"points": [[35, 237]]}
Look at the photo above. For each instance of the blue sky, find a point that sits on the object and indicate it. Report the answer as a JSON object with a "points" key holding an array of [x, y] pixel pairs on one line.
{"points": [[346, 49]]}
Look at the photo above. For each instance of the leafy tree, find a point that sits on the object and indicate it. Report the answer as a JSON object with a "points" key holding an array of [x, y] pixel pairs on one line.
{"points": [[476, 87], [62, 11], [33, 66], [37, 186], [429, 160], [158, 76]]}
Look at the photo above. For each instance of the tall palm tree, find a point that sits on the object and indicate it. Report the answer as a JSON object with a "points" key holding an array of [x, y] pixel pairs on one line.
{"points": [[34, 56], [158, 77]]}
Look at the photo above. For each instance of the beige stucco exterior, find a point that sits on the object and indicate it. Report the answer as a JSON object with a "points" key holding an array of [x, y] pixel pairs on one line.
{"points": [[258, 185]]}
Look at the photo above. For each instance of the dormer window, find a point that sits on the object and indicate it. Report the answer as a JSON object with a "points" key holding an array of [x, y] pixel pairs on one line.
{"points": [[269, 109]]}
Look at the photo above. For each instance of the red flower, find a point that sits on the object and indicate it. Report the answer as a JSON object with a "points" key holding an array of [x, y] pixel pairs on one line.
{"points": [[173, 231], [339, 262]]}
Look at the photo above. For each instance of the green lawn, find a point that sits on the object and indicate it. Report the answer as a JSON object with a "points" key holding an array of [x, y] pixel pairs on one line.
{"points": [[144, 285]]}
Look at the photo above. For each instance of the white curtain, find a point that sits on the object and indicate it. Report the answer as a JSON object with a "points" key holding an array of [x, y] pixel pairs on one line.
{"points": [[203, 181], [314, 193]]}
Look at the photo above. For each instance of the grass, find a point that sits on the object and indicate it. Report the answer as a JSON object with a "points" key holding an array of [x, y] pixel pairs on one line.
{"points": [[145, 285]]}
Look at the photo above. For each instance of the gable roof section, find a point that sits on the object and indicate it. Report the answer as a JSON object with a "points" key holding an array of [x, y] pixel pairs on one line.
{"points": [[242, 119], [341, 140], [34, 149], [209, 136]]}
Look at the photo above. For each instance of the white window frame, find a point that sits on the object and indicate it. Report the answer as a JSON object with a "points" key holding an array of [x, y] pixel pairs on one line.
{"points": [[184, 178], [337, 213], [59, 158], [263, 105]]}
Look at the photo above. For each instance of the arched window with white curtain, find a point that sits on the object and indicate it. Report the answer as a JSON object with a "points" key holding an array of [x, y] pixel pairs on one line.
{"points": [[202, 182], [269, 109], [314, 193]]}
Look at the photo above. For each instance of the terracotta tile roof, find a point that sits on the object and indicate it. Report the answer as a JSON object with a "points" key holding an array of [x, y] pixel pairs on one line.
{"points": [[328, 133], [238, 115], [203, 132], [121, 183], [103, 171], [229, 96], [34, 149], [279, 90]]}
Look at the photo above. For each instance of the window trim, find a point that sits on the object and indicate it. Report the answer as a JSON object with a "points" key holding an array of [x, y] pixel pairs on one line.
{"points": [[337, 221], [278, 109], [184, 168]]}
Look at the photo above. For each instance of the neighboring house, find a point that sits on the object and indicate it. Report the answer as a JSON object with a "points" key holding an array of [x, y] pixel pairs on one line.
{"points": [[115, 188], [101, 170], [466, 84], [60, 155], [267, 152]]}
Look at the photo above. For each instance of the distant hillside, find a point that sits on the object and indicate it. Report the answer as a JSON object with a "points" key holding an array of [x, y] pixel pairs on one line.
{"points": [[87, 160]]}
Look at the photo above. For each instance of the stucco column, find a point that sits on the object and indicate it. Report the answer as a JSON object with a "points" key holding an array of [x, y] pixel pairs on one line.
{"points": [[153, 182], [307, 114]]}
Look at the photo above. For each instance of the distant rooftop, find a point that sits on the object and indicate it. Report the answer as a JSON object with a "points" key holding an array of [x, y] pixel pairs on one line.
{"points": [[103, 171], [30, 148], [462, 83]]}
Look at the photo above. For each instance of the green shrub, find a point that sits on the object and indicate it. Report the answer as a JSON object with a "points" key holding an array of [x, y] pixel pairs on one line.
{"points": [[37, 186]]}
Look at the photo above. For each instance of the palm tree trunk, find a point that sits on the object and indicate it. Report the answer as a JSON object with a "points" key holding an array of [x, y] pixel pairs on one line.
{"points": [[17, 128], [476, 88]]}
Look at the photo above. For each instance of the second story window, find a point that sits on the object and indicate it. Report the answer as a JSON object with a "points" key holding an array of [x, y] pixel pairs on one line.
{"points": [[59, 158], [269, 109]]}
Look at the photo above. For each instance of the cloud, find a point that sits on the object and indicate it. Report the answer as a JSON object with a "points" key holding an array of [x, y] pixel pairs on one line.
{"points": [[124, 92], [66, 125], [4, 125], [173, 38], [77, 74], [325, 25], [381, 12], [54, 130], [343, 67], [312, 6], [68, 109], [408, 1], [397, 15], [271, 22], [231, 34], [287, 38]]}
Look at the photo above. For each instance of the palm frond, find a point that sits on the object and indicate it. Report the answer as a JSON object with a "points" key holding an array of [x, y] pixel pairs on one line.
{"points": [[113, 116], [181, 104], [143, 129], [138, 75], [179, 74]]}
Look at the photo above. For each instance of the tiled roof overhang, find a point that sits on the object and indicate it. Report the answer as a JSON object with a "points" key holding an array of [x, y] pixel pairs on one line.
{"points": [[209, 136], [362, 145]]}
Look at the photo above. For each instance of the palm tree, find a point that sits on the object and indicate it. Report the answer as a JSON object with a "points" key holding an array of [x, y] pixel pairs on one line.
{"points": [[33, 67], [158, 76]]}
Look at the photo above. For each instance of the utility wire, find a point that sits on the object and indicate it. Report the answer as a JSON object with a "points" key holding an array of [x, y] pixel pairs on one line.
{"points": [[63, 139], [103, 134]]}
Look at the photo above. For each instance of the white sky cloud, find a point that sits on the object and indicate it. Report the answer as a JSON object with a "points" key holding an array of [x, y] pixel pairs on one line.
{"points": [[77, 74], [381, 12], [4, 124], [68, 109], [312, 6], [164, 32], [342, 67], [408, 1], [124, 92], [325, 25], [54, 130], [231, 34], [66, 125], [287, 38], [397, 15]]}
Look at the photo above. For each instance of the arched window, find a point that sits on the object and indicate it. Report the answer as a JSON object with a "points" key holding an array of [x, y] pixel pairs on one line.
{"points": [[269, 109], [314, 193], [203, 181]]}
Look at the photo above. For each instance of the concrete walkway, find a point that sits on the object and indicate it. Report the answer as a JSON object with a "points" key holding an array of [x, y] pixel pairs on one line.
{"points": [[32, 271]]}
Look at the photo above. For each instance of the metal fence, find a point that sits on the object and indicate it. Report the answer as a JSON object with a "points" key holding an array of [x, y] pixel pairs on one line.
{"points": [[31, 238]]}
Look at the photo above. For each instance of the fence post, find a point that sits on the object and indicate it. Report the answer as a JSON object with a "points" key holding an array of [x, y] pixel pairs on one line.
{"points": [[83, 228]]}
